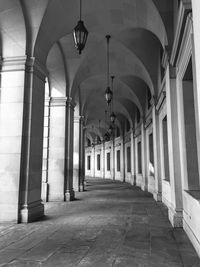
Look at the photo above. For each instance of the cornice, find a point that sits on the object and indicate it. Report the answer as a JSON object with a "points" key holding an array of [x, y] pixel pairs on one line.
{"points": [[58, 101], [186, 46], [184, 9]]}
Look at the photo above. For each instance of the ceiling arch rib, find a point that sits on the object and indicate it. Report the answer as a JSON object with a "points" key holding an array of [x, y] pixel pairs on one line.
{"points": [[33, 11], [57, 73]]}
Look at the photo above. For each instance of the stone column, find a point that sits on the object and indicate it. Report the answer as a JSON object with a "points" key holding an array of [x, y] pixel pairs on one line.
{"points": [[21, 139], [76, 155], [103, 159], [144, 153], [45, 185], [132, 159], [93, 162], [81, 156], [156, 152], [122, 158], [31, 207], [175, 211], [69, 145], [113, 159], [56, 160]]}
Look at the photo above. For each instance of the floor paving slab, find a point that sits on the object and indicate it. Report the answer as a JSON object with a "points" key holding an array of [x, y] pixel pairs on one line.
{"points": [[111, 224]]}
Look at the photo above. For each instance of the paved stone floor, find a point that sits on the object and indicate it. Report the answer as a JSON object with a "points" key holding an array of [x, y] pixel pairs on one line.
{"points": [[111, 224]]}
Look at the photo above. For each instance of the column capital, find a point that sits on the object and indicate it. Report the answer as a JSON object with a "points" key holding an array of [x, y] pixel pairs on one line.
{"points": [[58, 101], [173, 72], [24, 63], [153, 100], [70, 102], [33, 65]]}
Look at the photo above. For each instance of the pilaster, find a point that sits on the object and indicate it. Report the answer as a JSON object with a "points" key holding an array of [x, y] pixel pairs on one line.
{"points": [[69, 141], [156, 148], [144, 185], [31, 207], [81, 156], [56, 160], [175, 211]]}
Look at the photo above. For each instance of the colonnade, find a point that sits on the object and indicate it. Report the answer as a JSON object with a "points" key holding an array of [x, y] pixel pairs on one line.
{"points": [[161, 151]]}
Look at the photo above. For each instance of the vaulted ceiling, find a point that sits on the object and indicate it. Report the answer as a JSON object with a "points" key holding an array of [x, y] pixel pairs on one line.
{"points": [[139, 29]]}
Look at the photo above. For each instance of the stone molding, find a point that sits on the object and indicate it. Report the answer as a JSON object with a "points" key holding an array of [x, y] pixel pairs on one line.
{"points": [[13, 63], [70, 103], [24, 63], [58, 101]]}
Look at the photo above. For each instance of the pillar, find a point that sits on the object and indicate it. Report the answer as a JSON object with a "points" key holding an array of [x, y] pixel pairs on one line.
{"points": [[113, 157], [81, 156], [45, 184], [103, 160], [76, 154], [156, 151], [132, 158], [93, 162], [21, 139], [144, 153], [56, 158], [122, 158], [175, 211], [69, 145]]}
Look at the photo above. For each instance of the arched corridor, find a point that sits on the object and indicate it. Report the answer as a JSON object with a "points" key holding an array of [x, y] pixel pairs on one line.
{"points": [[111, 224], [103, 90]]}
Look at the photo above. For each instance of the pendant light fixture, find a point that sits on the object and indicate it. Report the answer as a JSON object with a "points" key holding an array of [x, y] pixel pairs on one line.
{"points": [[80, 33], [108, 92], [112, 115]]}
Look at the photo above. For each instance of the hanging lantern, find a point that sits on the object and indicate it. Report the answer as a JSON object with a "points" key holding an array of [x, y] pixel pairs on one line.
{"points": [[112, 117], [80, 34], [110, 130], [108, 92], [108, 95]]}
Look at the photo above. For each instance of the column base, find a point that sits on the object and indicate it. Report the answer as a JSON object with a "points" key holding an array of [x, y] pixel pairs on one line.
{"points": [[45, 191], [31, 212], [175, 217], [144, 187], [69, 195], [157, 196], [81, 188]]}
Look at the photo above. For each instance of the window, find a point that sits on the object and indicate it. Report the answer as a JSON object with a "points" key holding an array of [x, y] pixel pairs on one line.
{"points": [[98, 162], [88, 163], [165, 146], [118, 160], [128, 155], [108, 161]]}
